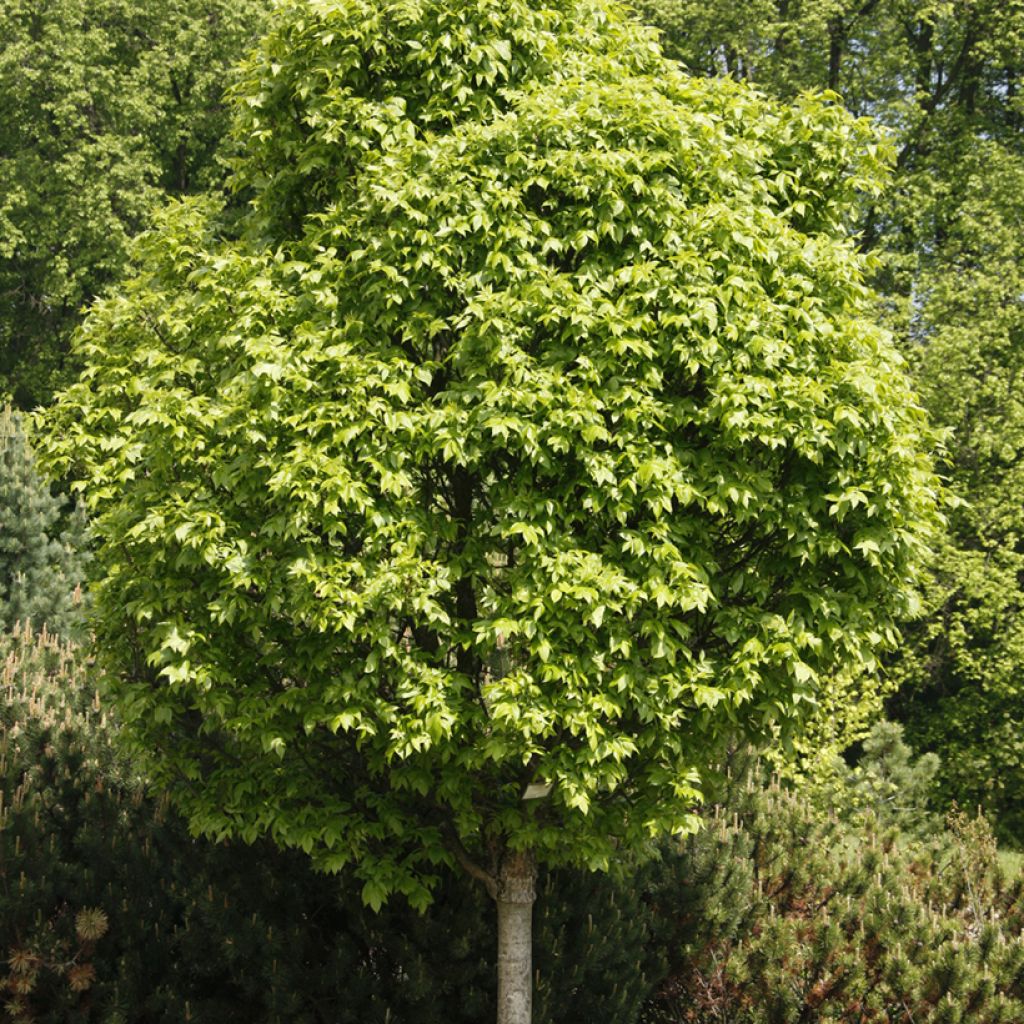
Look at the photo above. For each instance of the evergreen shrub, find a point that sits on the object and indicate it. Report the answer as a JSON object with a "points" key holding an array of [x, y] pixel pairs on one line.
{"points": [[41, 543], [110, 913], [779, 913]]}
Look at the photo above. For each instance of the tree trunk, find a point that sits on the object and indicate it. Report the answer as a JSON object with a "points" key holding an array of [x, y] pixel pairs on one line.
{"points": [[836, 41], [514, 894]]}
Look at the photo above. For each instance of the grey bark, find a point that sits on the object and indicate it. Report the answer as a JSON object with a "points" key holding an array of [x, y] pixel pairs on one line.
{"points": [[514, 893]]}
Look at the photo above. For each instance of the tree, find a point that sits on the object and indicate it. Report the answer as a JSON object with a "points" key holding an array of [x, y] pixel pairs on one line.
{"points": [[42, 561], [107, 106], [961, 664], [944, 79], [526, 445], [920, 67]]}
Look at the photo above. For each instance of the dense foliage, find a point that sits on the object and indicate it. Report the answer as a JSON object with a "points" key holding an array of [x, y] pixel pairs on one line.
{"points": [[944, 78], [108, 910], [930, 70], [788, 912], [533, 429], [513, 415], [106, 106], [961, 665]]}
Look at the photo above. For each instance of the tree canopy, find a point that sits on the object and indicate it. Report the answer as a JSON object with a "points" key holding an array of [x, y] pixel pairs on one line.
{"points": [[531, 429], [105, 107]]}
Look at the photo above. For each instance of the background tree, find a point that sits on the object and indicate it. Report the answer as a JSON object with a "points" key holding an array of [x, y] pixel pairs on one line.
{"points": [[918, 66], [944, 79], [529, 433], [962, 664], [106, 106]]}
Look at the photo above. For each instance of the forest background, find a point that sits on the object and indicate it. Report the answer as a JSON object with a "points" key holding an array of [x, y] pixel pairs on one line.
{"points": [[107, 107]]}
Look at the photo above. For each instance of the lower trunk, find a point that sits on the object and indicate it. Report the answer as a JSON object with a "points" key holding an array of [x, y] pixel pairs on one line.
{"points": [[514, 894]]}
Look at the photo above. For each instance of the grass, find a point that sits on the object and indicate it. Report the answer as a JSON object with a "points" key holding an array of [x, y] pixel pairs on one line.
{"points": [[1011, 861]]}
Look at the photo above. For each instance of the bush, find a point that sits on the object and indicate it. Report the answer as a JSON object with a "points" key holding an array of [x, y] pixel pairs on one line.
{"points": [[41, 560], [800, 916], [110, 912], [778, 913]]}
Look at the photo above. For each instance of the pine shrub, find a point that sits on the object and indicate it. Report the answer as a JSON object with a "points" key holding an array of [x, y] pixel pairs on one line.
{"points": [[798, 916], [110, 913], [779, 912], [41, 544]]}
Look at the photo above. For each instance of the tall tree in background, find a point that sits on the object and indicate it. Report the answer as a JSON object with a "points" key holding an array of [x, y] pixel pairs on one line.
{"points": [[962, 666], [105, 107], [945, 79], [529, 440], [908, 63]]}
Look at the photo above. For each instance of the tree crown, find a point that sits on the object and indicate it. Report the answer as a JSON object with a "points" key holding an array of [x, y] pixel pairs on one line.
{"points": [[532, 433]]}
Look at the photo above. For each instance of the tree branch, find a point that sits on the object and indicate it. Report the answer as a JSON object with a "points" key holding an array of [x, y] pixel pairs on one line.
{"points": [[470, 866]]}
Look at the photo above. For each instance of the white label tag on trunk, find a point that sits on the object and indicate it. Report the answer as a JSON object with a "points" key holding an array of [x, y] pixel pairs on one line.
{"points": [[536, 790]]}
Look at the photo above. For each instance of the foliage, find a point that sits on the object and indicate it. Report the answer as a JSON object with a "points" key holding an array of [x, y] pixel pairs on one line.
{"points": [[108, 105], [531, 430], [598, 951], [961, 666], [822, 920], [848, 705], [41, 548], [888, 780], [110, 911], [928, 70], [878, 773], [101, 889], [596, 957], [944, 79]]}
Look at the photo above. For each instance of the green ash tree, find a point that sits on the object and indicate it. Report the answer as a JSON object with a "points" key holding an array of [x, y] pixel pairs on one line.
{"points": [[524, 444]]}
